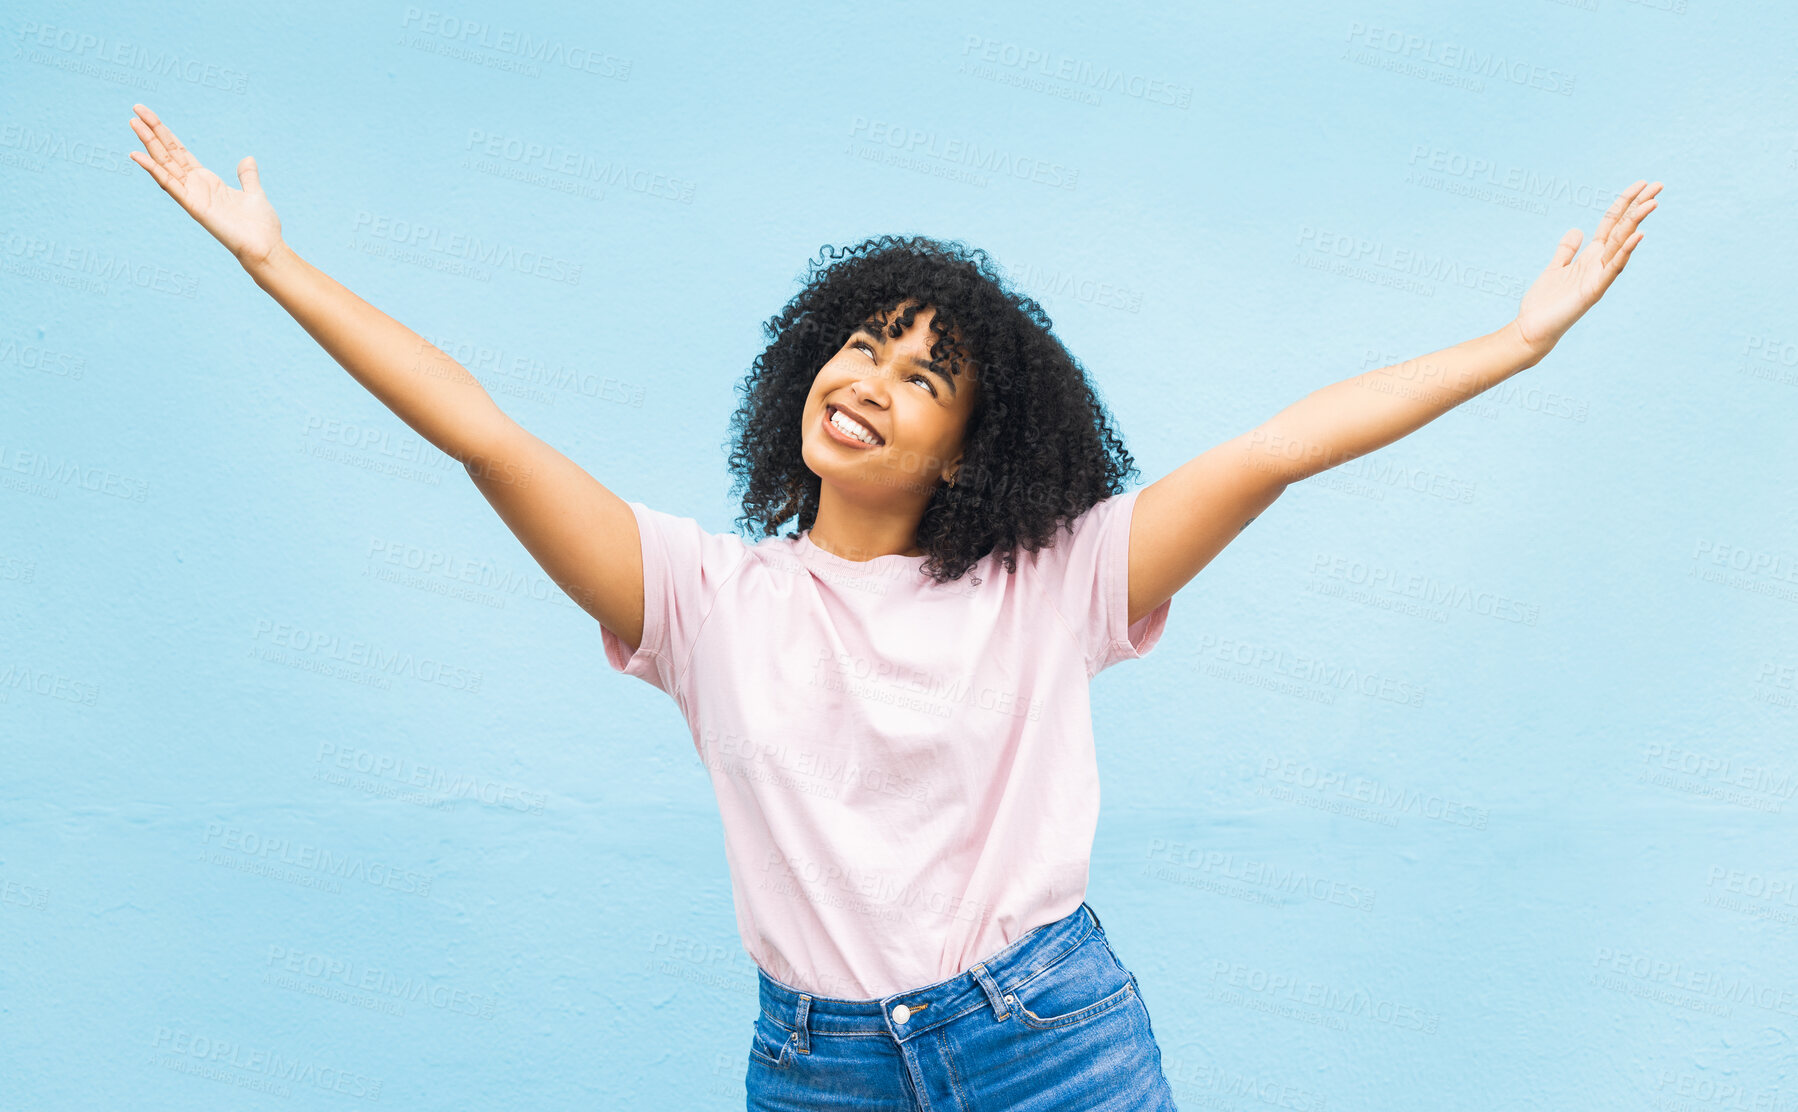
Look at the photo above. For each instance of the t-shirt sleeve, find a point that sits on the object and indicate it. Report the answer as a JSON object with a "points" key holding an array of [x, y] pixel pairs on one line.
{"points": [[1085, 576], [684, 567]]}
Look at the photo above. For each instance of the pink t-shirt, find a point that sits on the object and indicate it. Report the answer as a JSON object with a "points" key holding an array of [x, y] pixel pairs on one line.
{"points": [[905, 770]]}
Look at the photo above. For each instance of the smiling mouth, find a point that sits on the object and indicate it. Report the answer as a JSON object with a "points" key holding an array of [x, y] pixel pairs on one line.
{"points": [[831, 410]]}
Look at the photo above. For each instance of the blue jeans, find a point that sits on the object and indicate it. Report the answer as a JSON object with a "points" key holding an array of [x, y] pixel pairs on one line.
{"points": [[1052, 1022]]}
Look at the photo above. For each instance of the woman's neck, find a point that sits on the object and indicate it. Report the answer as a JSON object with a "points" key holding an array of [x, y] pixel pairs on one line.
{"points": [[858, 531]]}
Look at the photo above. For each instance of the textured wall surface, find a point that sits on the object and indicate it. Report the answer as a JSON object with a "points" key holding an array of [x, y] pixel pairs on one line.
{"points": [[1462, 779]]}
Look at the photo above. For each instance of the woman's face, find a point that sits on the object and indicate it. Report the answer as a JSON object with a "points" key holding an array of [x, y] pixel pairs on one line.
{"points": [[916, 412]]}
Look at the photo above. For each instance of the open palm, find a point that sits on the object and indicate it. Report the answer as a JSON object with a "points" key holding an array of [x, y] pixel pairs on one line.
{"points": [[1569, 286], [241, 219]]}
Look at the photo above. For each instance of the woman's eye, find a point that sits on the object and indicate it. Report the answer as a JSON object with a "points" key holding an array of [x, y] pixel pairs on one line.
{"points": [[869, 348]]}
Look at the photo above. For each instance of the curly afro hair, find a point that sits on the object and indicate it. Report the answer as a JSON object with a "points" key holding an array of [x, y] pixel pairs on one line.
{"points": [[1038, 449]]}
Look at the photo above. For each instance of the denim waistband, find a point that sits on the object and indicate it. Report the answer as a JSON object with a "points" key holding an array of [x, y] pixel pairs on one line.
{"points": [[983, 986]]}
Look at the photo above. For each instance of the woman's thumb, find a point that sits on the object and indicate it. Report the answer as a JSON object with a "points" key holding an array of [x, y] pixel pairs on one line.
{"points": [[1564, 251], [247, 176]]}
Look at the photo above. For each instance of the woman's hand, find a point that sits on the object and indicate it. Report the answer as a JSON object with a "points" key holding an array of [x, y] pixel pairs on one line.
{"points": [[1567, 287], [241, 219]]}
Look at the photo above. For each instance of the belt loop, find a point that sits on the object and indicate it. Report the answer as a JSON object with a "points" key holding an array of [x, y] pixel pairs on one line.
{"points": [[802, 1036], [1094, 914], [993, 995]]}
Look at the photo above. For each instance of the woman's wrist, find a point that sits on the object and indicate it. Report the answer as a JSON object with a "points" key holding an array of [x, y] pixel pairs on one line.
{"points": [[258, 266], [1529, 353]]}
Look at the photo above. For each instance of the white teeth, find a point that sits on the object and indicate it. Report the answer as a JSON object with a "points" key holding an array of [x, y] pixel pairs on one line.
{"points": [[849, 426]]}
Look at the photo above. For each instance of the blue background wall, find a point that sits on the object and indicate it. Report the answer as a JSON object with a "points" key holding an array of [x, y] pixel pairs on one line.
{"points": [[1463, 779]]}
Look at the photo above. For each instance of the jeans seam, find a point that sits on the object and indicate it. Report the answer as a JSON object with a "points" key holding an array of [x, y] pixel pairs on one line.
{"points": [[955, 1072]]}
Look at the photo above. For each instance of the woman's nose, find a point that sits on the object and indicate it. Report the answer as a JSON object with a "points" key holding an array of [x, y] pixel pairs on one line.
{"points": [[872, 388]]}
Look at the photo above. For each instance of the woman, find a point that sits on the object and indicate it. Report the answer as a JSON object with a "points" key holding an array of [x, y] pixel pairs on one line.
{"points": [[892, 701]]}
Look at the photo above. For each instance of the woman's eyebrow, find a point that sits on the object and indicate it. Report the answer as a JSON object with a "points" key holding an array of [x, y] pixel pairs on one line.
{"points": [[922, 365]]}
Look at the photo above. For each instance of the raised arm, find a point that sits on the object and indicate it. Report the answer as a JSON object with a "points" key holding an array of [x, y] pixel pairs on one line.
{"points": [[583, 535], [1184, 520]]}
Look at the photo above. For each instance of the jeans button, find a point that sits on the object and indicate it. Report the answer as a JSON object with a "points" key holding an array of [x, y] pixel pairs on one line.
{"points": [[901, 1013]]}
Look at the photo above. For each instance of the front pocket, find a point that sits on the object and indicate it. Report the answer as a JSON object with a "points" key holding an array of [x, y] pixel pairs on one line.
{"points": [[1091, 1011], [770, 1043], [1085, 984]]}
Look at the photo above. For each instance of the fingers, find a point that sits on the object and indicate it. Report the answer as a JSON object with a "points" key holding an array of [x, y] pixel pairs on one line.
{"points": [[1622, 254], [1645, 203], [160, 153], [1616, 209], [1622, 233], [169, 186], [158, 163], [1624, 230], [1621, 218], [173, 155], [1632, 216], [247, 175]]}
